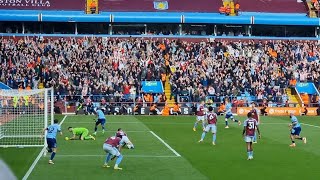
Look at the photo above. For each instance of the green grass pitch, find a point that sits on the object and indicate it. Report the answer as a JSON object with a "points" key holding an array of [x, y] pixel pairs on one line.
{"points": [[151, 159]]}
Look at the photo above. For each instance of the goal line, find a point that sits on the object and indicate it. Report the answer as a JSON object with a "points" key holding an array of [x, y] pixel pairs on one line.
{"points": [[124, 155], [167, 145], [25, 177]]}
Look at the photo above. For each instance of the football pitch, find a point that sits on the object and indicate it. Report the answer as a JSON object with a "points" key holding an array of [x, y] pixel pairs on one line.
{"points": [[167, 148]]}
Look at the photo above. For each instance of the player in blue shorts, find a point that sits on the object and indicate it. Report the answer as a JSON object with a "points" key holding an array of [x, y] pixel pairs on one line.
{"points": [[229, 114], [52, 131], [101, 120], [295, 129]]}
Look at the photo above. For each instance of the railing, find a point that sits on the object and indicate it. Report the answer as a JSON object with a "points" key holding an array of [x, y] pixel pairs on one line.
{"points": [[130, 107], [208, 37]]}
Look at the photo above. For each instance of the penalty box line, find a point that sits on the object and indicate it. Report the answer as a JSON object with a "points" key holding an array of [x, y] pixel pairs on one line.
{"points": [[167, 145], [25, 177], [124, 155]]}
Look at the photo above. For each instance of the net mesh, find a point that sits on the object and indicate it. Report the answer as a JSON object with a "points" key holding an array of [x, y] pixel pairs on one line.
{"points": [[23, 115]]}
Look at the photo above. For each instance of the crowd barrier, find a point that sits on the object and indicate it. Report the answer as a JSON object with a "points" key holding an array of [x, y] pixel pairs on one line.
{"points": [[184, 37], [186, 108]]}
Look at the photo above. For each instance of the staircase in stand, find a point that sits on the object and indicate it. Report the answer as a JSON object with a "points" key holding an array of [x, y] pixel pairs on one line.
{"points": [[167, 92], [293, 98]]}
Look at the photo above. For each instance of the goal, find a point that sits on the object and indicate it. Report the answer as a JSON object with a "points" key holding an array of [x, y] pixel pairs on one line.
{"points": [[23, 116]]}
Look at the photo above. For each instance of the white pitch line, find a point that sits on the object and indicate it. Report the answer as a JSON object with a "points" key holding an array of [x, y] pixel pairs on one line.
{"points": [[133, 156], [131, 131], [130, 122], [167, 145], [310, 125], [25, 177], [79, 122], [64, 118]]}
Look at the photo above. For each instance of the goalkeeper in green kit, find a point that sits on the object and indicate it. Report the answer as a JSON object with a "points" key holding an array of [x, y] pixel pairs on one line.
{"points": [[83, 134]]}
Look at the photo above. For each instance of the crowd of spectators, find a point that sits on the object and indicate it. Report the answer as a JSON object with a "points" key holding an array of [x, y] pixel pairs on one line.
{"points": [[101, 66]]}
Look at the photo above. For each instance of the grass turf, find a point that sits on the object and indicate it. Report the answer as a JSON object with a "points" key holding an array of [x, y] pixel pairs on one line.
{"points": [[153, 160]]}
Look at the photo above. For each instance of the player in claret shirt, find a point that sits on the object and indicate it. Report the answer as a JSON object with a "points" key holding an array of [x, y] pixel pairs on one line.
{"points": [[249, 128], [112, 147], [255, 115], [200, 116], [212, 121]]}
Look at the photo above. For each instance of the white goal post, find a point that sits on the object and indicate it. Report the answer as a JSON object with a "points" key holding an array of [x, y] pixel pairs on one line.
{"points": [[23, 116]]}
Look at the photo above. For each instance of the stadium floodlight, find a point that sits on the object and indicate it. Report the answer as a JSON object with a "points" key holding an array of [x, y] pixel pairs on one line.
{"points": [[23, 115]]}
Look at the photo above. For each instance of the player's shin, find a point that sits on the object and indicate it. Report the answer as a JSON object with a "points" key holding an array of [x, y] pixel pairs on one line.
{"points": [[248, 149], [226, 122], [108, 157], [195, 124], [248, 153], [203, 125], [203, 135], [214, 137], [53, 154], [298, 137], [119, 159]]}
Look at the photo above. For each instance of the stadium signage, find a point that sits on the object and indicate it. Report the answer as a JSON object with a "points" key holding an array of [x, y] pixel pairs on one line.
{"points": [[25, 3], [146, 110], [280, 111], [308, 88]]}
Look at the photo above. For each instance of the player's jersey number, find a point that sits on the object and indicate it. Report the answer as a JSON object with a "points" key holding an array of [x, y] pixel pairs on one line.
{"points": [[50, 130], [251, 125]]}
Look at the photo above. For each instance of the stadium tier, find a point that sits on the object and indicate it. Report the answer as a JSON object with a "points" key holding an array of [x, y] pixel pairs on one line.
{"points": [[138, 65], [115, 69], [79, 64]]}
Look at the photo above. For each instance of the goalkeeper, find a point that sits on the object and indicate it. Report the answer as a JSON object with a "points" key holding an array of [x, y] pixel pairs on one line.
{"points": [[83, 134]]}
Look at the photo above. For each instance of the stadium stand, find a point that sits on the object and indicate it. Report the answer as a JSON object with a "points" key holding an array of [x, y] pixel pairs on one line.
{"points": [[54, 44], [90, 66]]}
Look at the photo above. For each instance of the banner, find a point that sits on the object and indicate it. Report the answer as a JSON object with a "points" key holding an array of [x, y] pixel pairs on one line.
{"points": [[306, 88], [113, 5], [117, 110], [92, 6], [152, 87], [161, 5], [279, 111], [42, 4]]}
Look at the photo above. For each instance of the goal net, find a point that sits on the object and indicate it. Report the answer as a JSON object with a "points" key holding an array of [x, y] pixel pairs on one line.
{"points": [[23, 116]]}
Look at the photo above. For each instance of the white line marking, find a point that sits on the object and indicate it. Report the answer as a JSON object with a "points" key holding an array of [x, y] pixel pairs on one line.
{"points": [[130, 131], [64, 118], [161, 140], [133, 156], [130, 122], [25, 177], [274, 123], [310, 125]]}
